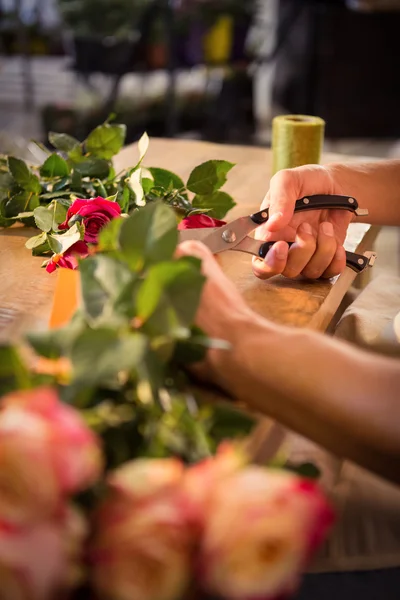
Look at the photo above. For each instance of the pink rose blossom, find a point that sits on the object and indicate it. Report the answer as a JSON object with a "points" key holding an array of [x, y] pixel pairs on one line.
{"points": [[95, 214], [41, 561], [199, 221], [260, 529], [69, 259], [46, 453], [142, 546]]}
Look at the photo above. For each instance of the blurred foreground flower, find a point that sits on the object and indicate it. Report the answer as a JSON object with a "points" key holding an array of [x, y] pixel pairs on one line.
{"points": [[41, 561], [46, 454], [260, 529], [142, 548]]}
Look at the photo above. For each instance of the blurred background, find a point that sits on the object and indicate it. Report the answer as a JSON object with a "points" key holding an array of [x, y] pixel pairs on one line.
{"points": [[204, 69]]}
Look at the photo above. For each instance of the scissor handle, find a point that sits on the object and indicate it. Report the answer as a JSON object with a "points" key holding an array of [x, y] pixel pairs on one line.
{"points": [[326, 201], [356, 262], [316, 202]]}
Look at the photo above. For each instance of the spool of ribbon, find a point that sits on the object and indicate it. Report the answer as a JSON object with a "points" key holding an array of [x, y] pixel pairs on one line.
{"points": [[296, 140]]}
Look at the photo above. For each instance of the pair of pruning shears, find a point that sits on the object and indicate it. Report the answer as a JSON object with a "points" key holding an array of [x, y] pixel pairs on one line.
{"points": [[235, 235]]}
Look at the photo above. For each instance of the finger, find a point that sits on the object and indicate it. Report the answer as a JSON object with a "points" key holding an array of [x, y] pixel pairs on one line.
{"points": [[337, 265], [325, 252], [273, 264], [301, 252], [282, 199], [195, 248]]}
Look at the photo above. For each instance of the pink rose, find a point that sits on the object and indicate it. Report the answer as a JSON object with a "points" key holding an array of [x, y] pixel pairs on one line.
{"points": [[95, 214], [199, 221], [142, 546], [202, 477], [46, 453], [68, 260], [41, 561], [261, 527]]}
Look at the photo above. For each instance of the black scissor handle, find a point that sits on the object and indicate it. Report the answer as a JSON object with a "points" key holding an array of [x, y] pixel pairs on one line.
{"points": [[316, 202], [356, 262], [326, 201]]}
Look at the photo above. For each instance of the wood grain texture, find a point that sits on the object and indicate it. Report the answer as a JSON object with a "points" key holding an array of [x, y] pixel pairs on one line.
{"points": [[26, 290]]}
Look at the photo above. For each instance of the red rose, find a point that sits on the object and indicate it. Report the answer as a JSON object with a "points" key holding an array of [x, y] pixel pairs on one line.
{"points": [[199, 221], [94, 213], [68, 260]]}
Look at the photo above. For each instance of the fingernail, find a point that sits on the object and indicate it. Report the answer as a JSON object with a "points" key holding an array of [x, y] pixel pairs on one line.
{"points": [[327, 228], [306, 228], [274, 218]]}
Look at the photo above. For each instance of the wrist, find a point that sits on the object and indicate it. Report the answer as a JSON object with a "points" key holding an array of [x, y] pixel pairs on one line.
{"points": [[232, 368]]}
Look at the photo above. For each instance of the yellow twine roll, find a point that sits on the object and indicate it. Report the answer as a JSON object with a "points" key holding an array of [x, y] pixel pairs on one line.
{"points": [[296, 140]]}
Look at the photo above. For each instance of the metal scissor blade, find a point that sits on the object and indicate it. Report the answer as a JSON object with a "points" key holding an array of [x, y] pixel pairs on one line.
{"points": [[196, 234], [230, 235]]}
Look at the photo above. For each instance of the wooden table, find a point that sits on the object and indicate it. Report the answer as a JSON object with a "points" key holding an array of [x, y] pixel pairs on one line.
{"points": [[26, 290]]}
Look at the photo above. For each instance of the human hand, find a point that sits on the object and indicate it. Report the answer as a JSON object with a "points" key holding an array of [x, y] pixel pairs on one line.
{"points": [[222, 314], [318, 235]]}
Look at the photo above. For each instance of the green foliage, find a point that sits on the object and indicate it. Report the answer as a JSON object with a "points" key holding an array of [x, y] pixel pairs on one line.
{"points": [[131, 341], [40, 196]]}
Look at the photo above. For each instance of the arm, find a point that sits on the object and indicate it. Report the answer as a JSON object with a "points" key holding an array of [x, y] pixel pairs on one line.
{"points": [[376, 186], [343, 399]]}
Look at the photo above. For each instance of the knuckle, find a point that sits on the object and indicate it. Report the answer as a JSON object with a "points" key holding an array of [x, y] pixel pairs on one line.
{"points": [[291, 272]]}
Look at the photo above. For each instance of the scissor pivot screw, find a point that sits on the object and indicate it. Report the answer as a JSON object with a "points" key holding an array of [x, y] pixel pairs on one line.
{"points": [[264, 215], [351, 200], [229, 236], [306, 201], [360, 261]]}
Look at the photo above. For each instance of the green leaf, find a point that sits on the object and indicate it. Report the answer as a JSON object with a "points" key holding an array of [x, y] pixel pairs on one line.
{"points": [[13, 373], [106, 140], [59, 213], [94, 297], [220, 203], [166, 179], [93, 167], [55, 194], [108, 236], [61, 243], [43, 218], [113, 275], [173, 287], [23, 176], [41, 250], [19, 203], [149, 235], [123, 199], [307, 470], [54, 166], [36, 241], [63, 142], [100, 354], [147, 184], [55, 343], [209, 177], [6, 181], [229, 422]]}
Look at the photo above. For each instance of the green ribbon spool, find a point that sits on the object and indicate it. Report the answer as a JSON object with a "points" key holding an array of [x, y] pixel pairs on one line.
{"points": [[296, 140]]}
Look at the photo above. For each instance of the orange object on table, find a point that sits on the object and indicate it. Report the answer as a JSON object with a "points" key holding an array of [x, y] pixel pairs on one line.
{"points": [[66, 296], [65, 303]]}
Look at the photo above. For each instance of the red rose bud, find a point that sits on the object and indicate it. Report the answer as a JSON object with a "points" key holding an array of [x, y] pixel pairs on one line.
{"points": [[69, 259], [95, 214], [199, 221]]}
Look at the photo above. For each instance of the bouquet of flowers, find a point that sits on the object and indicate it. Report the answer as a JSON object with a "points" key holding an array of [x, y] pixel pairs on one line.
{"points": [[117, 481]]}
